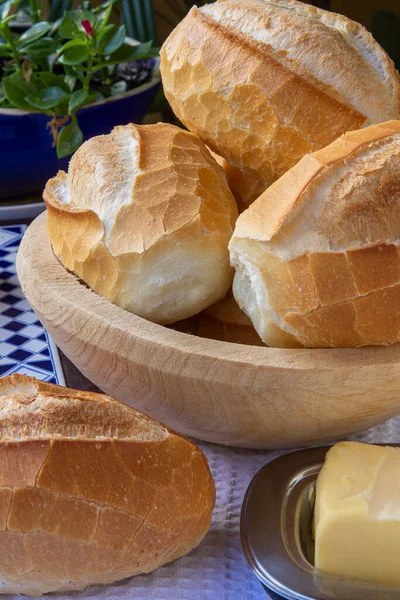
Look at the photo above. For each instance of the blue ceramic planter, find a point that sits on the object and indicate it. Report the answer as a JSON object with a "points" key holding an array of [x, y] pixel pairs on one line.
{"points": [[27, 158]]}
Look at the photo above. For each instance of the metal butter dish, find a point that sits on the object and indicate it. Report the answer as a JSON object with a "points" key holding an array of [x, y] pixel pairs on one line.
{"points": [[277, 538]]}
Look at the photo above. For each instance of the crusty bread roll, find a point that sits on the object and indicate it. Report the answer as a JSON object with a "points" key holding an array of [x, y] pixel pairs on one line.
{"points": [[245, 187], [263, 82], [91, 491], [144, 217], [223, 321], [317, 255], [226, 322]]}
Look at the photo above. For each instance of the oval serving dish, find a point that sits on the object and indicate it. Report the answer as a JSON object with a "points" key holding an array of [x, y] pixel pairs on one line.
{"points": [[248, 396]]}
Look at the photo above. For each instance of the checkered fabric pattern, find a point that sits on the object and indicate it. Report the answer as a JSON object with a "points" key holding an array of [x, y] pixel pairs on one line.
{"points": [[25, 346]]}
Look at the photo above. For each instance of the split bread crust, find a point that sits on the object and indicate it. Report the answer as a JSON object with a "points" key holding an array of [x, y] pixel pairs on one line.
{"points": [[91, 491], [264, 82], [144, 216], [317, 255]]}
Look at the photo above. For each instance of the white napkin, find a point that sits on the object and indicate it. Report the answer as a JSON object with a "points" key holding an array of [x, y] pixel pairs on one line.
{"points": [[217, 569]]}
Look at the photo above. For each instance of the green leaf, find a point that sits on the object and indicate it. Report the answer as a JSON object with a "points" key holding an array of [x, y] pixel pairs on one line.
{"points": [[72, 44], [106, 31], [74, 71], [115, 41], [5, 50], [42, 48], [127, 53], [16, 88], [4, 23], [124, 53], [77, 100], [85, 15], [105, 36], [34, 33], [145, 50], [55, 26], [47, 98], [6, 20], [104, 17], [5, 9], [53, 80], [69, 139], [5, 103], [74, 56], [71, 26], [70, 81], [104, 5]]}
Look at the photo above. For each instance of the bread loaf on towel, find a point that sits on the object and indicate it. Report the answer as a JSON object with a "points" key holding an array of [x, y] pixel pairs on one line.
{"points": [[144, 217], [264, 82], [317, 255], [91, 491]]}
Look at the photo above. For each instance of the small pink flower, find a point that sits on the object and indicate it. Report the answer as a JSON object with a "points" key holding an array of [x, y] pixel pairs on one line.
{"points": [[87, 27]]}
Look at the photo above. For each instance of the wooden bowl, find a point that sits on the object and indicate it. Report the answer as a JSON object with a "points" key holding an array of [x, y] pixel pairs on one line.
{"points": [[227, 393]]}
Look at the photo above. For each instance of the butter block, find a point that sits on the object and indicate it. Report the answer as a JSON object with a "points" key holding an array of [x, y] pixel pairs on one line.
{"points": [[357, 513]]}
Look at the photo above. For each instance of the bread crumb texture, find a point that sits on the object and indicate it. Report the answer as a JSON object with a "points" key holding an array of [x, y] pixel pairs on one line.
{"points": [[317, 255], [90, 490]]}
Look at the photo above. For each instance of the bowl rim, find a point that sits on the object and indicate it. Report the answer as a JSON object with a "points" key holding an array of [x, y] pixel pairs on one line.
{"points": [[56, 276]]}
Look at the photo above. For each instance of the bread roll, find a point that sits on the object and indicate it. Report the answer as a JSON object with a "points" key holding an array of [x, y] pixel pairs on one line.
{"points": [[144, 217], [264, 82], [317, 255], [224, 321], [91, 491], [245, 187]]}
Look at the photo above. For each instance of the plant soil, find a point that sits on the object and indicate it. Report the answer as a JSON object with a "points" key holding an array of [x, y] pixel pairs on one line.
{"points": [[131, 75]]}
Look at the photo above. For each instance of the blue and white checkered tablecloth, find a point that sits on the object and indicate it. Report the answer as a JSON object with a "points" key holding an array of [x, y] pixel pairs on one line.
{"points": [[25, 345]]}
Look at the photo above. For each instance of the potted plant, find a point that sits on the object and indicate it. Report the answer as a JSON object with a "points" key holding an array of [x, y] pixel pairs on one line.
{"points": [[63, 82]]}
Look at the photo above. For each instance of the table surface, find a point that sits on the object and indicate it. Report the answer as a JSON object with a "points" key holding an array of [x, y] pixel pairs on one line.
{"points": [[73, 377], [216, 568]]}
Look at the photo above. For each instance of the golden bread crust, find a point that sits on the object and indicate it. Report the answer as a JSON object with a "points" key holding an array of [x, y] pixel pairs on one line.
{"points": [[223, 321], [118, 496], [255, 101], [246, 186], [144, 217], [317, 255]]}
